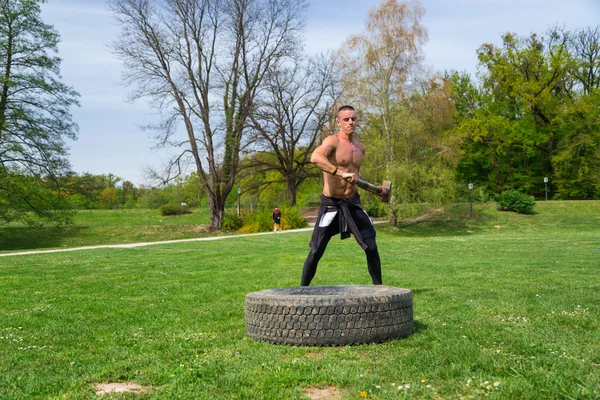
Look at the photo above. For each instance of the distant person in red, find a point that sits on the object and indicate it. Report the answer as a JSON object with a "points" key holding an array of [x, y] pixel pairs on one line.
{"points": [[276, 219]]}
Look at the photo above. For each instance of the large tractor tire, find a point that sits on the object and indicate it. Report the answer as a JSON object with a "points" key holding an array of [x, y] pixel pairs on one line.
{"points": [[329, 315]]}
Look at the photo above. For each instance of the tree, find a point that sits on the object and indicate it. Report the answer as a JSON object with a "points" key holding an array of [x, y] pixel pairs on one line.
{"points": [[584, 44], [192, 190], [377, 64], [422, 160], [290, 118], [535, 115], [382, 75], [34, 112], [576, 161], [128, 194], [202, 64], [108, 198], [84, 190]]}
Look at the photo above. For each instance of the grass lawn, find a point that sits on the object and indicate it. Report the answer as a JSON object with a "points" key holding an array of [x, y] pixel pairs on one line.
{"points": [[95, 227], [506, 306]]}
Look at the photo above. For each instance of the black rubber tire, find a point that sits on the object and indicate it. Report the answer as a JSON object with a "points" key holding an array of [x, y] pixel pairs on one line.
{"points": [[329, 315]]}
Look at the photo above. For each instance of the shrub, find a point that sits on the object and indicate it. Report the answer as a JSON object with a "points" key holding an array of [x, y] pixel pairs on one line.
{"points": [[231, 221], [376, 209], [512, 200], [481, 195], [173, 209], [262, 221], [292, 218]]}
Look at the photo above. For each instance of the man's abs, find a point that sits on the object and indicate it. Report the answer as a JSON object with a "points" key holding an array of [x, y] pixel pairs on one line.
{"points": [[337, 187]]}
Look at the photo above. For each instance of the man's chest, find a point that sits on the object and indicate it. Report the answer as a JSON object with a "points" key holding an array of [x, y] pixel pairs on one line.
{"points": [[349, 155]]}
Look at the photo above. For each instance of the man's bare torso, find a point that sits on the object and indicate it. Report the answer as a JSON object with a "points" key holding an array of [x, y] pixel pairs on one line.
{"points": [[347, 154]]}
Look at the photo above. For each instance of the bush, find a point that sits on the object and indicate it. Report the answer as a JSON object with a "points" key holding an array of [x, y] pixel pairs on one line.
{"points": [[173, 209], [231, 221], [481, 195], [376, 209], [512, 200], [262, 221], [291, 218]]}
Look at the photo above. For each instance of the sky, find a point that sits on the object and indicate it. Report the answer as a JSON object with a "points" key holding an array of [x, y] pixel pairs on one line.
{"points": [[110, 138]]}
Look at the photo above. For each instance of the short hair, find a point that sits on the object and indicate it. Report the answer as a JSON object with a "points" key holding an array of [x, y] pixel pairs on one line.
{"points": [[344, 108]]}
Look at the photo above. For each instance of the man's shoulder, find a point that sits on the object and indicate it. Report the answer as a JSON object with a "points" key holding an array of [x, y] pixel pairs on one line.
{"points": [[331, 139]]}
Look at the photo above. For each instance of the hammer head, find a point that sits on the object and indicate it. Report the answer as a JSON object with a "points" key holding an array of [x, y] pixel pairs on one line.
{"points": [[387, 191]]}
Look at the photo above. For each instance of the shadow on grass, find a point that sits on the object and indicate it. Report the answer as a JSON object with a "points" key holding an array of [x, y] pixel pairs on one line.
{"points": [[27, 238], [419, 327], [422, 290], [453, 220], [434, 227]]}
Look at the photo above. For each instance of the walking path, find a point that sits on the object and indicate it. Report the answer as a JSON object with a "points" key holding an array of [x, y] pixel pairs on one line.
{"points": [[132, 245]]}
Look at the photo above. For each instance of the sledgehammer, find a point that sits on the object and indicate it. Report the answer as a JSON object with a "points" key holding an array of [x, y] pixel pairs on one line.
{"points": [[383, 191]]}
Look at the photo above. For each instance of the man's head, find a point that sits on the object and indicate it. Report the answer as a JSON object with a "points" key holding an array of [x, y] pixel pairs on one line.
{"points": [[346, 119]]}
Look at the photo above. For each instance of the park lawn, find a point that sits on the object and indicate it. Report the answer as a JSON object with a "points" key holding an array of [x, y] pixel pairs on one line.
{"points": [[99, 227], [506, 306]]}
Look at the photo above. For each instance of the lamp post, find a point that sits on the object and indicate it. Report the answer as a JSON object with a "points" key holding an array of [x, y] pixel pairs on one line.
{"points": [[546, 187], [471, 200], [239, 190]]}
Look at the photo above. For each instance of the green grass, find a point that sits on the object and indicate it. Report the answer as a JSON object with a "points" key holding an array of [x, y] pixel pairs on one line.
{"points": [[95, 227], [506, 306]]}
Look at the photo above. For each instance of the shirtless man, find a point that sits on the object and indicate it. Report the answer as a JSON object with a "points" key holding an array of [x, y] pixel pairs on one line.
{"points": [[340, 157]]}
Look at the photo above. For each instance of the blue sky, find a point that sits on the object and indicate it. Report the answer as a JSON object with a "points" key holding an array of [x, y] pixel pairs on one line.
{"points": [[110, 140]]}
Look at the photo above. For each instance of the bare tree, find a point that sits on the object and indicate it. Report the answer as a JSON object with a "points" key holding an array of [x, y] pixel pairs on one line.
{"points": [[585, 45], [202, 63], [380, 66], [290, 118]]}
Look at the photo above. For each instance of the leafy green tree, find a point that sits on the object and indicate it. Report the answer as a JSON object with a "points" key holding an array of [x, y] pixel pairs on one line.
{"points": [[576, 161], [421, 160], [32, 200], [128, 194], [193, 192], [512, 133], [84, 190], [108, 198], [150, 197], [534, 115], [35, 114]]}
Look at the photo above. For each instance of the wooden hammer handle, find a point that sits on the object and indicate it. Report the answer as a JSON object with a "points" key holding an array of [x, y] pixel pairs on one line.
{"points": [[369, 186]]}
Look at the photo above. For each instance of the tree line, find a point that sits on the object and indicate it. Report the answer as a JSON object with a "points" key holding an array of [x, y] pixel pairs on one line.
{"points": [[533, 115], [246, 106]]}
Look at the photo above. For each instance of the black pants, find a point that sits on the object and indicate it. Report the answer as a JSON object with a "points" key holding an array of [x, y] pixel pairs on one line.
{"points": [[322, 236]]}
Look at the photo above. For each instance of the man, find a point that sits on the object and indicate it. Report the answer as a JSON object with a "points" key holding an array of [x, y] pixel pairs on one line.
{"points": [[276, 219], [340, 157]]}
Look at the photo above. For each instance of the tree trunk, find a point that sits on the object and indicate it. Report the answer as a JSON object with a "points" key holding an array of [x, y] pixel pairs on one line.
{"points": [[291, 190], [216, 208], [4, 94]]}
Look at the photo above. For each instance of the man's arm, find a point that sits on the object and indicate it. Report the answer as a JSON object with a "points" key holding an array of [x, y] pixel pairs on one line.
{"points": [[320, 156]]}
